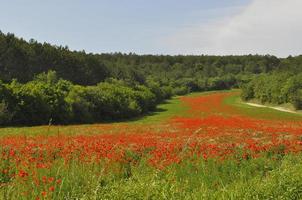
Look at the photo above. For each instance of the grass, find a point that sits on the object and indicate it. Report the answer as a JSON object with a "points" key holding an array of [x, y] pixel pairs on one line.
{"points": [[252, 179], [260, 178], [164, 111]]}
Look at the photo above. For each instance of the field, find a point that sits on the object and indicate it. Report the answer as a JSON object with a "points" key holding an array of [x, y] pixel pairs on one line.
{"points": [[201, 146]]}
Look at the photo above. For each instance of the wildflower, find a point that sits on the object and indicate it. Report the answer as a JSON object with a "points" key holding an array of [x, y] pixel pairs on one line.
{"points": [[22, 174], [44, 179], [44, 194], [51, 189], [51, 179]]}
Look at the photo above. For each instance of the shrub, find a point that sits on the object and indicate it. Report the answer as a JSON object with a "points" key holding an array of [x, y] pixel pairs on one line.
{"points": [[107, 101], [79, 104], [180, 90], [38, 102], [247, 92]]}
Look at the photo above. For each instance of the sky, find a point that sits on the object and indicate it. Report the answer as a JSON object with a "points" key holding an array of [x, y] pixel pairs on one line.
{"points": [[213, 27]]}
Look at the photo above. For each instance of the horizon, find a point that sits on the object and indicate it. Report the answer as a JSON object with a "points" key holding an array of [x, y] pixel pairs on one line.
{"points": [[214, 28]]}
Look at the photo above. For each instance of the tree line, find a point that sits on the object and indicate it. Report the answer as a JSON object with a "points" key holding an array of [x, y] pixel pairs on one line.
{"points": [[48, 99], [41, 82], [275, 88], [23, 60]]}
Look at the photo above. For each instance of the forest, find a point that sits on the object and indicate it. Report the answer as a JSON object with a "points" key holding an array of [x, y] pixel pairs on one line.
{"points": [[43, 83]]}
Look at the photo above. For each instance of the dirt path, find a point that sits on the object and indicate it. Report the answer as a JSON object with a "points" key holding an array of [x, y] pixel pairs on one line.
{"points": [[272, 107]]}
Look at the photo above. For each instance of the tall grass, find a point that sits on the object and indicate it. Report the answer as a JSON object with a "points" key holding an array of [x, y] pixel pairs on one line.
{"points": [[265, 177]]}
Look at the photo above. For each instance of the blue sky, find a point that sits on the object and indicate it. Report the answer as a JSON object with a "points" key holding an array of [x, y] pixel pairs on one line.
{"points": [[141, 26]]}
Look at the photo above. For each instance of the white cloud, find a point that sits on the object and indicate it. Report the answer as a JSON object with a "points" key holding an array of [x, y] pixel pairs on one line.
{"points": [[262, 27]]}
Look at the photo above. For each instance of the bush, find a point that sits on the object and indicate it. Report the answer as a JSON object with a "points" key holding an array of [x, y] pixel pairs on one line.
{"points": [[217, 83], [107, 101], [39, 102], [167, 92], [156, 89], [116, 102], [247, 92], [80, 106], [145, 98], [181, 90]]}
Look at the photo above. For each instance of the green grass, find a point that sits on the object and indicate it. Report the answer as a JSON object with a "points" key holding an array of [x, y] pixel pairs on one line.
{"points": [[259, 178], [164, 111]]}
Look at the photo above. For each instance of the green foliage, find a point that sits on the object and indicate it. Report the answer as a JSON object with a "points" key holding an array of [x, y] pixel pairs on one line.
{"points": [[40, 101], [258, 178], [247, 91], [282, 183], [48, 99], [145, 99], [161, 93], [107, 102], [276, 88], [182, 90], [79, 105]]}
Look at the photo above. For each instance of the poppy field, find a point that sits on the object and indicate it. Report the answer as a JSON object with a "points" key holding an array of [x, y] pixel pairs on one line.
{"points": [[210, 147]]}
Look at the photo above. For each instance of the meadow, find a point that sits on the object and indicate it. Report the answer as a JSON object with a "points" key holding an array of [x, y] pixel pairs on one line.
{"points": [[207, 145]]}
